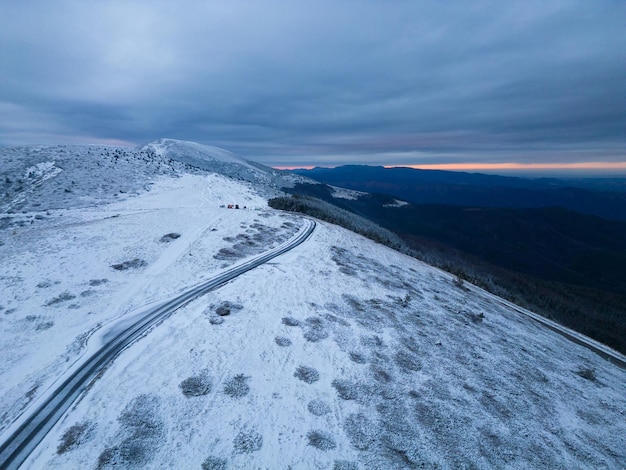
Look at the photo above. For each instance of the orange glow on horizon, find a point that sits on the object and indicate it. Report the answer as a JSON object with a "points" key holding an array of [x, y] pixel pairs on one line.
{"points": [[516, 166], [297, 167], [512, 166]]}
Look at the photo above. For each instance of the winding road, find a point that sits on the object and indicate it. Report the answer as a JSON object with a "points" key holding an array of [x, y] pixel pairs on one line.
{"points": [[26, 434], [605, 352]]}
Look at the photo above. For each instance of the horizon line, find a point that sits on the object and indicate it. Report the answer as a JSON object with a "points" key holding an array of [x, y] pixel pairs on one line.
{"points": [[512, 166]]}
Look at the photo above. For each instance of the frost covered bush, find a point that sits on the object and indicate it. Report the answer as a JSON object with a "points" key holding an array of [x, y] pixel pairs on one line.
{"points": [[380, 374], [74, 436], [214, 463], [225, 308], [345, 465], [290, 321], [314, 330], [282, 341], [141, 416], [237, 386], [196, 386], [227, 254], [321, 440], [357, 357], [44, 325], [142, 433], [222, 311], [133, 263], [374, 341], [360, 431], [318, 407], [307, 374], [346, 389], [247, 442], [407, 361], [168, 237], [215, 320], [477, 317], [355, 304], [64, 297], [587, 373]]}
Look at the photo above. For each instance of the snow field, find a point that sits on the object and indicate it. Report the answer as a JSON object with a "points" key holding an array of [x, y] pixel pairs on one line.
{"points": [[58, 284], [406, 376]]}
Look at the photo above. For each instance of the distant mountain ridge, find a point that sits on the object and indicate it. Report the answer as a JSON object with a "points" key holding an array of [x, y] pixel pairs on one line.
{"points": [[605, 199]]}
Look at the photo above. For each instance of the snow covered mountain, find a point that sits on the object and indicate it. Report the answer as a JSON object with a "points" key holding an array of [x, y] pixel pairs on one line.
{"points": [[341, 353]]}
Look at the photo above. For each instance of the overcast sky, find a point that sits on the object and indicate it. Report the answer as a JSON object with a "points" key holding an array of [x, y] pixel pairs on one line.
{"points": [[322, 83]]}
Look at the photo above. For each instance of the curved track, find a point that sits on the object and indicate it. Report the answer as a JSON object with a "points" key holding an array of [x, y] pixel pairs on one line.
{"points": [[22, 441]]}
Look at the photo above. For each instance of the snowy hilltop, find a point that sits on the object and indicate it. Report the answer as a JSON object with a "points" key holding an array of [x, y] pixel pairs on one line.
{"points": [[340, 353]]}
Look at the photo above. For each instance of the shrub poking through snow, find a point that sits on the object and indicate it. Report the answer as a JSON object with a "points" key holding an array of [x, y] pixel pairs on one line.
{"points": [[196, 386], [64, 297], [380, 374], [318, 407], [357, 357], [142, 435], [225, 308], [290, 321], [407, 361], [75, 436], [247, 442], [133, 263], [345, 465], [215, 320], [360, 430], [307, 374], [44, 325], [222, 311], [321, 440], [214, 463], [371, 342], [477, 317], [237, 386], [345, 389], [141, 415], [334, 319], [587, 373], [282, 341], [314, 330], [168, 237]]}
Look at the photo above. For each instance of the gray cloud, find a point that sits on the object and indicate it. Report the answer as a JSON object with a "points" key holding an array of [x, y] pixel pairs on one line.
{"points": [[293, 83]]}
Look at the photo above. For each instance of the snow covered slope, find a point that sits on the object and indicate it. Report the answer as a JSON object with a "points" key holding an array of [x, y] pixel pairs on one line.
{"points": [[195, 154], [209, 158], [339, 354]]}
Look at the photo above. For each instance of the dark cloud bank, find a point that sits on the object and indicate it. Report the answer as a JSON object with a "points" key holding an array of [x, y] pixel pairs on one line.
{"points": [[322, 83]]}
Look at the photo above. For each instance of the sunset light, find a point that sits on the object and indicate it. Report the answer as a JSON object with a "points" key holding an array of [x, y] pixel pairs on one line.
{"points": [[510, 166]]}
